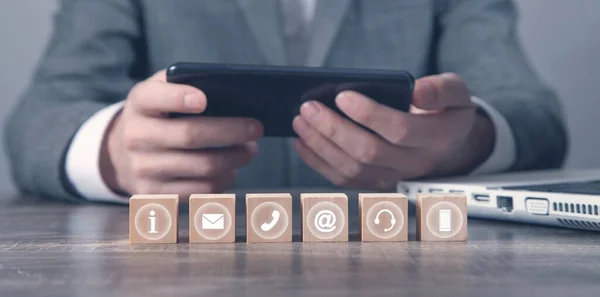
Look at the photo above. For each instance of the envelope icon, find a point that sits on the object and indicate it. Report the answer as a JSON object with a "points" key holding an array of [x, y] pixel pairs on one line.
{"points": [[213, 221]]}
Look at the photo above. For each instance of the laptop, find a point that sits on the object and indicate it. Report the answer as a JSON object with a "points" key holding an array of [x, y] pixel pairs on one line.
{"points": [[564, 198]]}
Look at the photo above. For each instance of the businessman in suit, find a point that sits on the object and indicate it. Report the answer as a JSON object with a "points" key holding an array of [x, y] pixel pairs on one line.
{"points": [[91, 124]]}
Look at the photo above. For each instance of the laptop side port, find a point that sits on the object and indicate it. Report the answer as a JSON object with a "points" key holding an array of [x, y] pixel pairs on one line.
{"points": [[435, 190], [457, 191], [404, 190], [505, 203], [480, 197], [537, 206]]}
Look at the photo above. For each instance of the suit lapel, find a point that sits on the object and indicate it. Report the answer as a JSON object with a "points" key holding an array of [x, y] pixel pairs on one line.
{"points": [[262, 17], [329, 15]]}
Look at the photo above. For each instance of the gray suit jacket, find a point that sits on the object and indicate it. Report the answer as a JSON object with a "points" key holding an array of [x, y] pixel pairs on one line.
{"points": [[100, 49]]}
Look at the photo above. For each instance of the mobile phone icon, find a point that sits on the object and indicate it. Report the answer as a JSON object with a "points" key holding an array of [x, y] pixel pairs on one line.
{"points": [[275, 218], [445, 222]]}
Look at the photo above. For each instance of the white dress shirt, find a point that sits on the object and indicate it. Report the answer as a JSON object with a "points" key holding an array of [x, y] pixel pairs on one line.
{"points": [[83, 156]]}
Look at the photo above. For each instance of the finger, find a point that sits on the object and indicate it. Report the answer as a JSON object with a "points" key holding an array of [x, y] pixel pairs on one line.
{"points": [[333, 175], [186, 187], [159, 76], [337, 158], [173, 165], [352, 139], [405, 129], [389, 123], [435, 131], [158, 98], [191, 133], [442, 91]]}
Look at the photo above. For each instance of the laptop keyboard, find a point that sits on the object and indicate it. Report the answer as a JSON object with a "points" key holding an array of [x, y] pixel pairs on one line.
{"points": [[587, 188]]}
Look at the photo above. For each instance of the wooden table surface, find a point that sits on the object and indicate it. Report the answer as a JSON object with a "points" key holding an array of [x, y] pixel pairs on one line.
{"points": [[57, 249]]}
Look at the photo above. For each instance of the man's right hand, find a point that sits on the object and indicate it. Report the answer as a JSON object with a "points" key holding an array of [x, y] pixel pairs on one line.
{"points": [[146, 152]]}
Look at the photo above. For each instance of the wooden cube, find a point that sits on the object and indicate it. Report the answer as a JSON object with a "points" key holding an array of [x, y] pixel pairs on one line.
{"points": [[324, 217], [441, 217], [269, 217], [383, 216], [153, 218], [212, 218]]}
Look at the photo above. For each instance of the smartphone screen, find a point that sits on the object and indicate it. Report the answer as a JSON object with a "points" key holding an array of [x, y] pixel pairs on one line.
{"points": [[273, 94]]}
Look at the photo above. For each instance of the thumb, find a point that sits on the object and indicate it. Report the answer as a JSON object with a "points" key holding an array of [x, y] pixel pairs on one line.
{"points": [[159, 76], [441, 91]]}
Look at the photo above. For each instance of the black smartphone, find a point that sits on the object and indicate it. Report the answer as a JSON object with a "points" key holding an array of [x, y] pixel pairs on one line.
{"points": [[273, 94]]}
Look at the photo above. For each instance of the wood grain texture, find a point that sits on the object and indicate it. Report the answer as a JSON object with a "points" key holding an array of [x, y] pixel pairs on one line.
{"points": [[56, 250], [153, 219]]}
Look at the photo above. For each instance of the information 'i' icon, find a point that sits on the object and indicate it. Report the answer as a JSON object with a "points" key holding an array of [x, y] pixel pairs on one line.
{"points": [[152, 222]]}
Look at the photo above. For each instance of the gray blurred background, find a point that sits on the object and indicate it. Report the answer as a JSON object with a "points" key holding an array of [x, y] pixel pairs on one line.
{"points": [[561, 37]]}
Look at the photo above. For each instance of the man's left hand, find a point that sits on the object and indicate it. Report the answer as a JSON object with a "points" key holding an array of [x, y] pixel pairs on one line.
{"points": [[441, 135]]}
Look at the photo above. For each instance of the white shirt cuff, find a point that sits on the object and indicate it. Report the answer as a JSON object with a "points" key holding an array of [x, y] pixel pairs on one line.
{"points": [[504, 154], [83, 158]]}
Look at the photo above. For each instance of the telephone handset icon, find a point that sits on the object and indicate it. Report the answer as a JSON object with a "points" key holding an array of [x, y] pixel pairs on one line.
{"points": [[275, 218]]}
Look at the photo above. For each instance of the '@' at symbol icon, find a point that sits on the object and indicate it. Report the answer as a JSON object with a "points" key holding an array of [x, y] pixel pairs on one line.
{"points": [[325, 221]]}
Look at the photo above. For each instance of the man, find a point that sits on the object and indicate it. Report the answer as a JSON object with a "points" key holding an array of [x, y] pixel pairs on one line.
{"points": [[478, 106]]}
